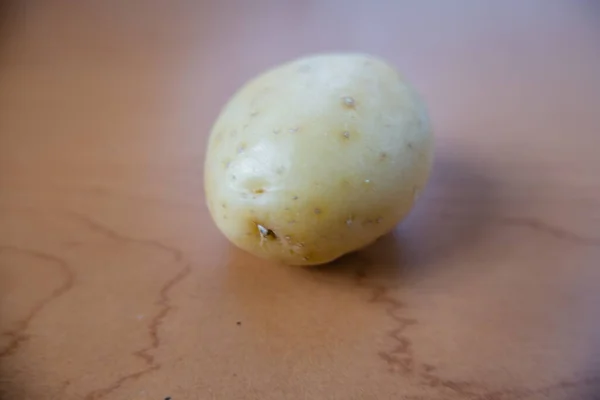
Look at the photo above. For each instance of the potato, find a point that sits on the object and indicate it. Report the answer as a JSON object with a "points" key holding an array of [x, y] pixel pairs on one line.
{"points": [[317, 158]]}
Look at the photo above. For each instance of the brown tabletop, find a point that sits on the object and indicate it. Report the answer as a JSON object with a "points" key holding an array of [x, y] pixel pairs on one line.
{"points": [[115, 283]]}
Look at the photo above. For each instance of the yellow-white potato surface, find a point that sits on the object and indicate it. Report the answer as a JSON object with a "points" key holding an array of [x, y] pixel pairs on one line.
{"points": [[317, 158]]}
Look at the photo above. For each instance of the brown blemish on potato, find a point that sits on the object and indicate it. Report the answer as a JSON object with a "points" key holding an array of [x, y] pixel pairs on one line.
{"points": [[382, 156], [348, 102], [265, 233], [255, 185], [224, 205], [371, 221], [345, 183]]}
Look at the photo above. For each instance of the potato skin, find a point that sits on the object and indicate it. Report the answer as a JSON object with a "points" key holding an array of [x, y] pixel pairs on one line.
{"points": [[317, 158]]}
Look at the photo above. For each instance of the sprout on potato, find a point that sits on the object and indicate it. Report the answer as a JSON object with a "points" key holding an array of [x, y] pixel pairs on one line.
{"points": [[317, 158]]}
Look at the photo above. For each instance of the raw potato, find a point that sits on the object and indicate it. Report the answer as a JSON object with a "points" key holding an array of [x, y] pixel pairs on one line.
{"points": [[317, 158]]}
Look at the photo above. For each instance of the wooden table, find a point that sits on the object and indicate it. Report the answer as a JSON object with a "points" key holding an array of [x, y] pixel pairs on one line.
{"points": [[115, 284]]}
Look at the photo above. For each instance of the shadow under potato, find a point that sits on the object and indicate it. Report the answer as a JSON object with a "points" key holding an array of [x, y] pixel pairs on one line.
{"points": [[449, 219]]}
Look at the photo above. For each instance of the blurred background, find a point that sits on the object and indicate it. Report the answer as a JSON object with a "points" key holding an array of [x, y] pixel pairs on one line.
{"points": [[115, 284]]}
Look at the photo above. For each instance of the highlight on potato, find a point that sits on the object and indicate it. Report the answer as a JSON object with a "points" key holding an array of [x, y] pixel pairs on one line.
{"points": [[317, 158]]}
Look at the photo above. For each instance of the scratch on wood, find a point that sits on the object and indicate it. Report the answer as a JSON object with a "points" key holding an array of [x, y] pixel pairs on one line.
{"points": [[551, 230], [401, 358], [18, 335], [163, 302]]}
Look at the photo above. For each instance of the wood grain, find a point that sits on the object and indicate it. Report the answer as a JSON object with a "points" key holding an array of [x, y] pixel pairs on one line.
{"points": [[115, 284]]}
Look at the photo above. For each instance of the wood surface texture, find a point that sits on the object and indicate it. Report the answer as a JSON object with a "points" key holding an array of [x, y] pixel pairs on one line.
{"points": [[116, 285]]}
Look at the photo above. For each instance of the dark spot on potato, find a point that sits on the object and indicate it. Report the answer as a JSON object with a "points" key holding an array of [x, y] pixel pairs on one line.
{"points": [[295, 198], [318, 211], [265, 233], [382, 156], [233, 177], [409, 145], [255, 185], [224, 205]]}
